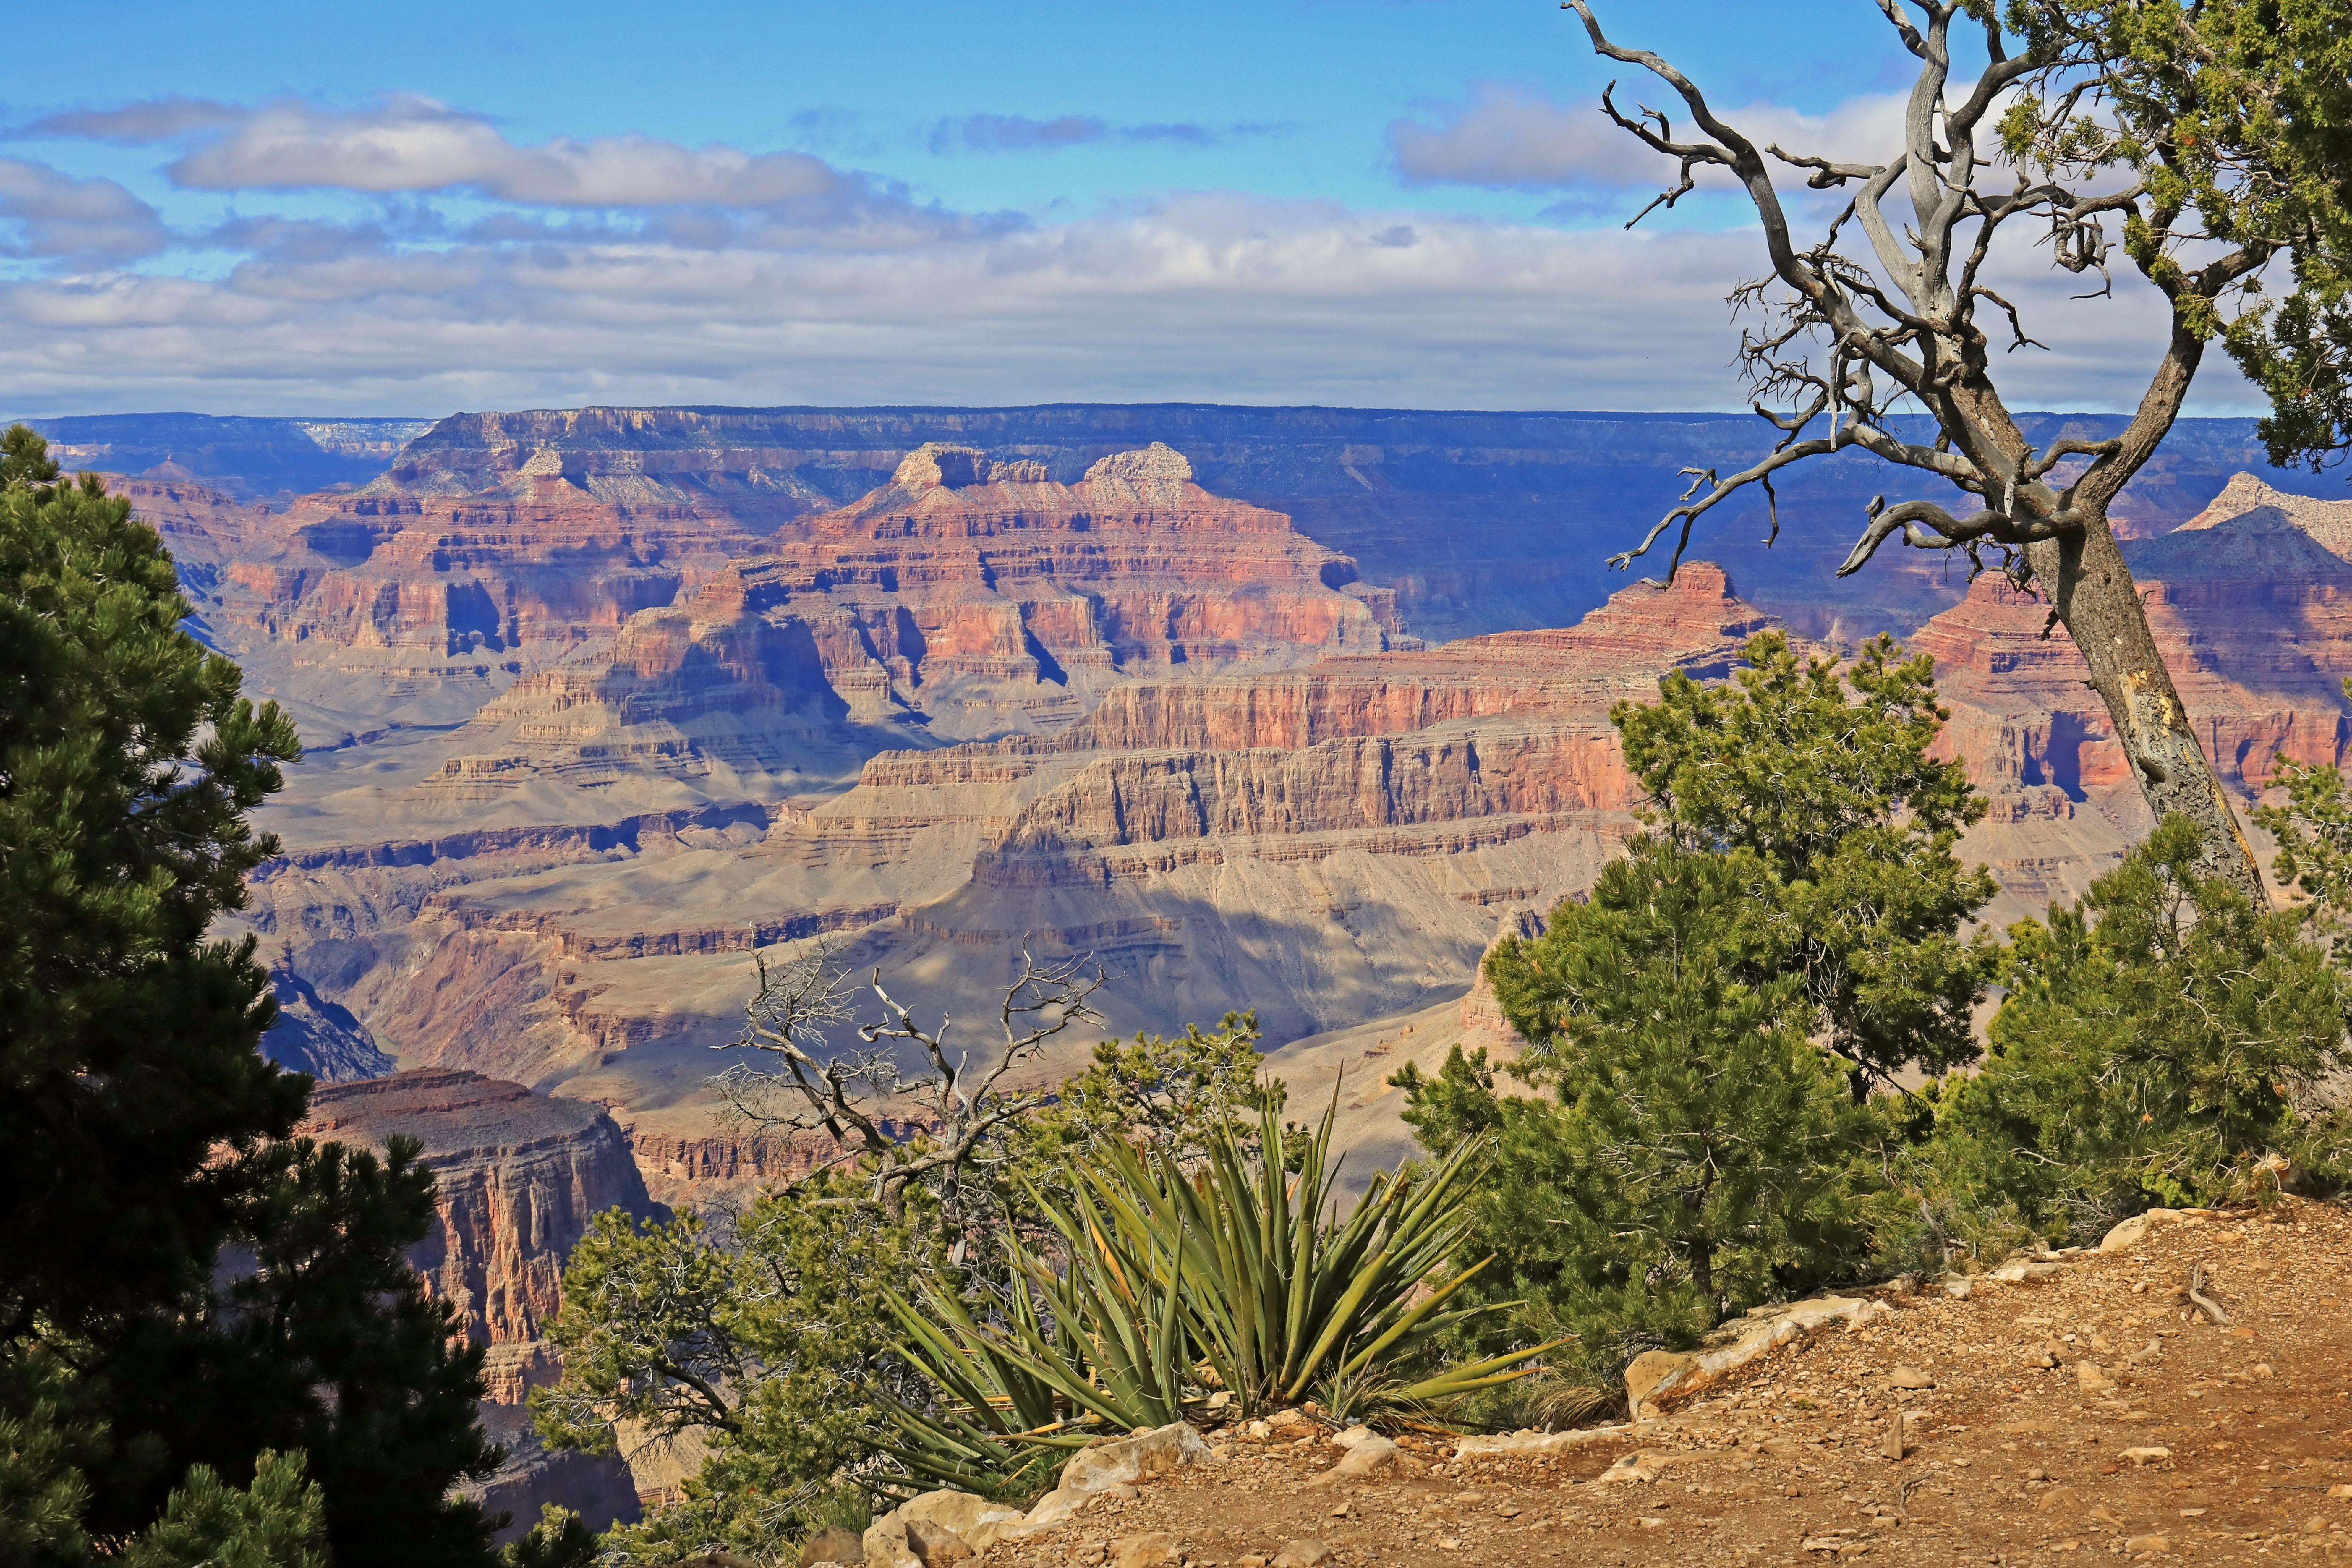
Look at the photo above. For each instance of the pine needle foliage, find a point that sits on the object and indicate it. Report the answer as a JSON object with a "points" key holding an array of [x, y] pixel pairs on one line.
{"points": [[2156, 1040]]}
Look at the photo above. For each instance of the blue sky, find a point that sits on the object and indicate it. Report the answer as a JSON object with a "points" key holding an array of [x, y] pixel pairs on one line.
{"points": [[266, 208]]}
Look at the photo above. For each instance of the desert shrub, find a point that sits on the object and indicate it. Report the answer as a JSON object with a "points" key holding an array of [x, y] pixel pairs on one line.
{"points": [[2155, 1043], [766, 1334]]}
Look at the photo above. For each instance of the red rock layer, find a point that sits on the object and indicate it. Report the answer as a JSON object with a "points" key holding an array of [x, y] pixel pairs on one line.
{"points": [[971, 597], [1418, 754], [387, 585], [520, 1176], [1619, 651]]}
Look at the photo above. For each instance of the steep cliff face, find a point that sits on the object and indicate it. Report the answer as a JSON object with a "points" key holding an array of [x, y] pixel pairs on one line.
{"points": [[1619, 649], [521, 1174], [966, 597]]}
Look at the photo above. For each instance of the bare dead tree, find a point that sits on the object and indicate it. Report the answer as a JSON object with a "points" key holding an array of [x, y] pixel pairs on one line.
{"points": [[959, 1102], [1880, 314]]}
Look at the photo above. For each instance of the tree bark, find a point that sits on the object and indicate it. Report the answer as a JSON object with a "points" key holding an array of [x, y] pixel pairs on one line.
{"points": [[2084, 574]]}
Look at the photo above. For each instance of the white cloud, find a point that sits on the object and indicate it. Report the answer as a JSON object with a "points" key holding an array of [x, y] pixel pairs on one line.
{"points": [[1212, 297], [78, 221], [404, 142], [631, 269], [1517, 138]]}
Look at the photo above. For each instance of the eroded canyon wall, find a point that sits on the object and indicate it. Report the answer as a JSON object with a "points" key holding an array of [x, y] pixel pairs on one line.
{"points": [[1069, 678]]}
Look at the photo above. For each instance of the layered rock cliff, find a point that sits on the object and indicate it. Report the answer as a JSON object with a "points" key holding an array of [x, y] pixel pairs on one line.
{"points": [[519, 1175], [381, 605], [966, 597]]}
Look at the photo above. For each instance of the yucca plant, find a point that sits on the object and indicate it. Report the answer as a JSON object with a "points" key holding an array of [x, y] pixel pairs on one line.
{"points": [[1006, 1394], [1239, 1273], [1281, 1292]]}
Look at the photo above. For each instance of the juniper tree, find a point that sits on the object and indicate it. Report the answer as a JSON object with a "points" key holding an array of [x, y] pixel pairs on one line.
{"points": [[1688, 1152], [1819, 778], [2157, 1038], [1706, 1029], [2209, 141]]}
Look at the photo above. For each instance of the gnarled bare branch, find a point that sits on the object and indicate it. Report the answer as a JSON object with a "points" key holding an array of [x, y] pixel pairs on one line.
{"points": [[955, 1101]]}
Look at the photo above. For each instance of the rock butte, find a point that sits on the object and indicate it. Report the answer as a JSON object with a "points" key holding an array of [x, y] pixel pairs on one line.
{"points": [[966, 597], [520, 1176]]}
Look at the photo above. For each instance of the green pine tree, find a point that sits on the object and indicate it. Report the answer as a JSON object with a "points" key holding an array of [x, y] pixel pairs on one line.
{"points": [[128, 764], [279, 1521], [1823, 773], [1705, 1031], [2156, 1040], [1692, 1151], [321, 1339], [185, 1290]]}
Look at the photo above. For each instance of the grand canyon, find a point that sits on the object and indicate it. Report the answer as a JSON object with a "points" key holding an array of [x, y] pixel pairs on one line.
{"points": [[1282, 709]]}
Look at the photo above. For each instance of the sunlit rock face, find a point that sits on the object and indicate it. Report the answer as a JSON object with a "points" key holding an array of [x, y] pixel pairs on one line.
{"points": [[520, 1175]]}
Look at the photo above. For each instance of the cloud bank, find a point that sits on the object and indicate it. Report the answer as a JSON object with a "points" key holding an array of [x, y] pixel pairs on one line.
{"points": [[469, 270]]}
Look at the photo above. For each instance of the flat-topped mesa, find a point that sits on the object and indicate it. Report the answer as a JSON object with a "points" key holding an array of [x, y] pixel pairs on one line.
{"points": [[962, 564], [969, 597], [1619, 650], [520, 1176]]}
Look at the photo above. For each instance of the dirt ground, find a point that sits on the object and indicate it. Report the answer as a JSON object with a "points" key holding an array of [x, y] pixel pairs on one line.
{"points": [[2080, 1413]]}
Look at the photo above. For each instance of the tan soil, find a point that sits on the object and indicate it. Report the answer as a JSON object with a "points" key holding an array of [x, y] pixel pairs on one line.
{"points": [[2012, 1461]]}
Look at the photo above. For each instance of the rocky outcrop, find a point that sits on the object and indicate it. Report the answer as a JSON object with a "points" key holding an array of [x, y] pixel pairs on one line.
{"points": [[2327, 522], [1481, 1011], [520, 1176]]}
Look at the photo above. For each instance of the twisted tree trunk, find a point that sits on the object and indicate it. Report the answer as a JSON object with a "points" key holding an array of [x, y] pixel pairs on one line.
{"points": [[2093, 593]]}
